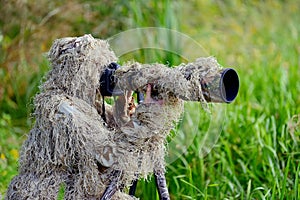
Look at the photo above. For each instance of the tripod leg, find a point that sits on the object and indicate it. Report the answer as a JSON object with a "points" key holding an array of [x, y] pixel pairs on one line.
{"points": [[161, 185], [133, 187], [111, 188]]}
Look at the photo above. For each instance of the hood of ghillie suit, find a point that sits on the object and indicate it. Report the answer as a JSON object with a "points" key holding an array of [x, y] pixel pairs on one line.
{"points": [[77, 64]]}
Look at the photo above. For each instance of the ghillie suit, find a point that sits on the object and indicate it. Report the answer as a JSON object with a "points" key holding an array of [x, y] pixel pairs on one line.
{"points": [[95, 152]]}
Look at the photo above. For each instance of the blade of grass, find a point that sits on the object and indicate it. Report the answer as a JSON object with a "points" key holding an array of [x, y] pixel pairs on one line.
{"points": [[284, 182]]}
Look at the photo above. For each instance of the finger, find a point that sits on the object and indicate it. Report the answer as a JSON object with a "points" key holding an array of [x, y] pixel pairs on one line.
{"points": [[148, 98]]}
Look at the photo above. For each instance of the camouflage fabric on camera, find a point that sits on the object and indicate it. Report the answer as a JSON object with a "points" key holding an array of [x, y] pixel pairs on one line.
{"points": [[71, 145]]}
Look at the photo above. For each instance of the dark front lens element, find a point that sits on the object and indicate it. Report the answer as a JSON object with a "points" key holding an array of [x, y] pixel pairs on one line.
{"points": [[229, 85]]}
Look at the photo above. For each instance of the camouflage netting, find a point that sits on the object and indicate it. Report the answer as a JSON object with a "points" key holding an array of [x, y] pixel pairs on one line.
{"points": [[70, 143], [183, 81]]}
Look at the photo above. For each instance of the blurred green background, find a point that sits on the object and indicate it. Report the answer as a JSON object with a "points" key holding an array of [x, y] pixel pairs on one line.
{"points": [[257, 155]]}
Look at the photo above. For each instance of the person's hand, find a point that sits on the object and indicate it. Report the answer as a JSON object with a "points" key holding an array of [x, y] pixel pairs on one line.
{"points": [[149, 99]]}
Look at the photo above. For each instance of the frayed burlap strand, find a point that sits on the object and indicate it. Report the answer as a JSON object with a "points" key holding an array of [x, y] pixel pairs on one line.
{"points": [[70, 145]]}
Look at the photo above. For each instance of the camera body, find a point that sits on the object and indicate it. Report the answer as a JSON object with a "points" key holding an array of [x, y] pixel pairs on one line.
{"points": [[108, 81]]}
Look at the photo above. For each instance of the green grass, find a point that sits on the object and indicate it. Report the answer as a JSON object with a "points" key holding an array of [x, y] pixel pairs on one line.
{"points": [[257, 155]]}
